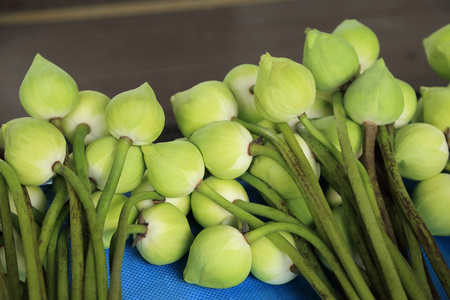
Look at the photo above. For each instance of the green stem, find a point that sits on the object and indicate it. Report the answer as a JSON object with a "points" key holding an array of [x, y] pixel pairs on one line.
{"points": [[51, 275], [119, 239], [94, 227], [309, 235], [321, 288], [266, 212], [35, 277], [62, 253], [4, 294], [9, 243], [362, 199], [404, 201], [79, 154]]}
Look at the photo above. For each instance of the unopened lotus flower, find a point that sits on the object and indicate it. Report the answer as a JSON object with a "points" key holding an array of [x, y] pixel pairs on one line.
{"points": [[207, 213], [284, 89], [168, 237], [241, 80], [269, 263], [32, 147], [421, 151], [173, 168], [375, 96], [363, 40], [135, 114], [331, 59], [327, 127], [100, 157], [432, 202], [183, 203], [113, 215], [220, 257], [410, 104], [90, 110], [320, 108], [224, 147], [202, 104], [47, 91], [436, 106], [437, 50], [333, 197]]}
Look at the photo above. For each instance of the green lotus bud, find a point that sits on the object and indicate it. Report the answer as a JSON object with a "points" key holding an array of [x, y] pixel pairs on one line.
{"points": [[37, 199], [363, 40], [168, 237], [207, 213], [421, 151], [32, 147], [220, 257], [333, 198], [90, 110], [331, 59], [410, 104], [320, 108], [183, 203], [375, 96], [241, 81], [327, 127], [47, 91], [100, 157], [202, 104], [437, 50], [436, 106], [113, 215], [2, 140], [433, 203], [270, 264], [135, 114], [20, 254], [224, 147], [284, 89], [173, 168], [418, 115]]}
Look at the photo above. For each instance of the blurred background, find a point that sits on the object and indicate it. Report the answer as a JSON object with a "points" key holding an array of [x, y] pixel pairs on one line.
{"points": [[113, 46]]}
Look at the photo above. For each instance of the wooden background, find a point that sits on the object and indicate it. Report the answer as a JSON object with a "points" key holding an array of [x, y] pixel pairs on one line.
{"points": [[115, 46]]}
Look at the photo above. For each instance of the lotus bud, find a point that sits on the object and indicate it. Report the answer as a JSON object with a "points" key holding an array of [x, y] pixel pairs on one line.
{"points": [[90, 110], [173, 168], [284, 89], [202, 104], [410, 104], [421, 151], [363, 40], [168, 237], [331, 59], [374, 96], [333, 197], [113, 215], [437, 51], [2, 140], [270, 264], [327, 127], [207, 213], [224, 147], [433, 203], [418, 115], [47, 91], [320, 108], [135, 114], [20, 254], [182, 203], [32, 147], [220, 257], [100, 157], [436, 105], [37, 199], [241, 80]]}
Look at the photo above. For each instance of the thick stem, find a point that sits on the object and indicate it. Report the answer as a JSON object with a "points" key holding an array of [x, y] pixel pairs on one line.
{"points": [[35, 277], [4, 294], [9, 243], [79, 154], [403, 199], [94, 227], [371, 224], [62, 253], [119, 239]]}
